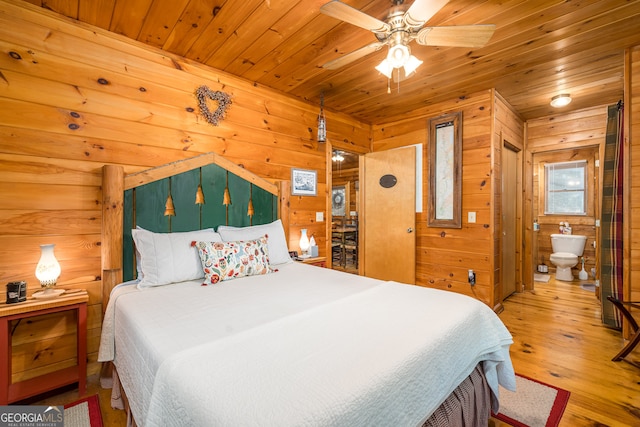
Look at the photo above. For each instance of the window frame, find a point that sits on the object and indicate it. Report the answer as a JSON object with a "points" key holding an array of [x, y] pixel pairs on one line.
{"points": [[584, 164]]}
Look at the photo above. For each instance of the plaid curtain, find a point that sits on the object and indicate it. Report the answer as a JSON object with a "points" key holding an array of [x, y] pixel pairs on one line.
{"points": [[611, 221]]}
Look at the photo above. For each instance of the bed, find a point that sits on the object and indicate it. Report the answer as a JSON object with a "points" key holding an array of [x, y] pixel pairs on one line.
{"points": [[290, 344]]}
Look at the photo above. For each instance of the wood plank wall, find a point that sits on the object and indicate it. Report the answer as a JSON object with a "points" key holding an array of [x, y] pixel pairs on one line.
{"points": [[565, 137], [444, 255], [74, 97], [508, 128], [632, 221]]}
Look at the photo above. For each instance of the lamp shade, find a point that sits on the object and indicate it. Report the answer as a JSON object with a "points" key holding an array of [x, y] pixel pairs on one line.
{"points": [[48, 268], [411, 65], [398, 55], [304, 241], [385, 68]]}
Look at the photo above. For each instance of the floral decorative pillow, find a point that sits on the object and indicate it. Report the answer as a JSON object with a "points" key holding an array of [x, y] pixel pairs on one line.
{"points": [[231, 260]]}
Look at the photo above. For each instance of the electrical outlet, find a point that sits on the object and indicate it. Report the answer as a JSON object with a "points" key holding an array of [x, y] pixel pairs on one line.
{"points": [[472, 277]]}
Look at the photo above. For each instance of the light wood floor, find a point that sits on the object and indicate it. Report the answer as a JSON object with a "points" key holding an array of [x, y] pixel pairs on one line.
{"points": [[558, 339]]}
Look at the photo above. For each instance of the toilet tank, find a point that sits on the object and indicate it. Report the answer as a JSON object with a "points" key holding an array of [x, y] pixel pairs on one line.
{"points": [[572, 243]]}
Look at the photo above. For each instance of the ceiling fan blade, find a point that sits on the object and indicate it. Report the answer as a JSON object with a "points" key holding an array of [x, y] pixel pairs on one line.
{"points": [[344, 12], [422, 10], [459, 35], [353, 56]]}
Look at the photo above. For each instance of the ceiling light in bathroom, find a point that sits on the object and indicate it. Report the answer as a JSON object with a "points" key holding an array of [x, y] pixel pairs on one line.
{"points": [[560, 100]]}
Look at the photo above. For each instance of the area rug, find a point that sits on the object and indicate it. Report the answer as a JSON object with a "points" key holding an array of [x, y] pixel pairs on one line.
{"points": [[534, 404], [541, 277], [83, 413], [591, 287]]}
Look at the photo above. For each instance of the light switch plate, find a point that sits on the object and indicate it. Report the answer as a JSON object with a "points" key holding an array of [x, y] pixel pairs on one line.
{"points": [[471, 217], [319, 216]]}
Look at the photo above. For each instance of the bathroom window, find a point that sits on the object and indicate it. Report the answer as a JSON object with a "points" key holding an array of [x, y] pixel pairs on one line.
{"points": [[565, 188]]}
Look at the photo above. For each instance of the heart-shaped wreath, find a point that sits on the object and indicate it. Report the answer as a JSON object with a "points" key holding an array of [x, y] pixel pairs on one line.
{"points": [[224, 101]]}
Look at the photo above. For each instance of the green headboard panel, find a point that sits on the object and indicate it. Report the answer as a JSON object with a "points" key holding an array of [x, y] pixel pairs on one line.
{"points": [[144, 206]]}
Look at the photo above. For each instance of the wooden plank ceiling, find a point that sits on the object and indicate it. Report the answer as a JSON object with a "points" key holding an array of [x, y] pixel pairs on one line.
{"points": [[539, 49]]}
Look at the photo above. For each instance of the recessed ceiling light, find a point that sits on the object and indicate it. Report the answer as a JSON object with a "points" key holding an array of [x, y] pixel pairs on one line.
{"points": [[560, 100]]}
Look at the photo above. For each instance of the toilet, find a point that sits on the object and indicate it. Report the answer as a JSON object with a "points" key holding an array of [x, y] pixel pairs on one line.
{"points": [[566, 250]]}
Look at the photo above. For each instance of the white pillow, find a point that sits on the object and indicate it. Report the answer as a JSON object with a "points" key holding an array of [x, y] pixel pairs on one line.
{"points": [[276, 242], [169, 257]]}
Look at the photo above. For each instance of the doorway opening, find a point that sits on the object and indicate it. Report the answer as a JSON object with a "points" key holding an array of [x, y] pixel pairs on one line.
{"points": [[581, 222], [511, 276], [345, 209]]}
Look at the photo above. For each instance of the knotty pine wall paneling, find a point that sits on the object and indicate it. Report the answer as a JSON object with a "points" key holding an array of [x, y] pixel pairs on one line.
{"points": [[508, 128], [632, 218], [444, 255], [75, 97]]}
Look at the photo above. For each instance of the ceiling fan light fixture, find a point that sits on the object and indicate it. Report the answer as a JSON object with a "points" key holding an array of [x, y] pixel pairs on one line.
{"points": [[411, 65], [385, 68], [337, 156], [560, 100], [398, 55]]}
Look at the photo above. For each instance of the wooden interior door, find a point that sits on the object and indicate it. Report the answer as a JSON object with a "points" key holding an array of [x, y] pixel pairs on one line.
{"points": [[388, 198], [509, 216]]}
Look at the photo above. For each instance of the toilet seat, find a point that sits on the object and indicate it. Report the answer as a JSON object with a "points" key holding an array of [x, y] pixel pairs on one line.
{"points": [[564, 256]]}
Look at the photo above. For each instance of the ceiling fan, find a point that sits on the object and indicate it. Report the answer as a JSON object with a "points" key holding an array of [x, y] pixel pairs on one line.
{"points": [[401, 28]]}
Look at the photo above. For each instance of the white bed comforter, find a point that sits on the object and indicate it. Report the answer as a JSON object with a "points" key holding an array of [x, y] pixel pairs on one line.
{"points": [[305, 346]]}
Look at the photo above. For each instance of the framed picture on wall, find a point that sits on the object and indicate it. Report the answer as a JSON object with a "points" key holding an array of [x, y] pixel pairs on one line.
{"points": [[338, 201], [445, 171], [304, 182]]}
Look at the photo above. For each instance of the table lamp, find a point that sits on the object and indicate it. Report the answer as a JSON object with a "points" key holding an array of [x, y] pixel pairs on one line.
{"points": [[47, 272], [304, 244]]}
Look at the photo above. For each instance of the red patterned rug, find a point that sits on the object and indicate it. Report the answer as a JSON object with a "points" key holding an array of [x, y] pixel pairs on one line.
{"points": [[83, 413], [534, 404]]}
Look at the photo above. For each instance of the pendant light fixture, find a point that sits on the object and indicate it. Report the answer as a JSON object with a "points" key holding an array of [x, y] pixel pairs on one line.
{"points": [[322, 122]]}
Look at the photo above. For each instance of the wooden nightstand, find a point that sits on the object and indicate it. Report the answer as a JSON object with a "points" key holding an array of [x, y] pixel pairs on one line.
{"points": [[319, 261], [37, 307]]}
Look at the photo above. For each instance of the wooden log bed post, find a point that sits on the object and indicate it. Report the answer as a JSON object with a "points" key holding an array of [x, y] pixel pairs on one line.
{"points": [[284, 190], [112, 229]]}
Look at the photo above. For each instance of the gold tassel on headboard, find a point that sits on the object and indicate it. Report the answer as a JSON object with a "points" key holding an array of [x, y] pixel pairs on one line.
{"points": [[226, 199], [199, 196], [250, 210], [199, 193], [169, 210]]}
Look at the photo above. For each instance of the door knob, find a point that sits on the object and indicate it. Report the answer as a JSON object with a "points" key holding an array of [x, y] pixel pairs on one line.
{"points": [[409, 230]]}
